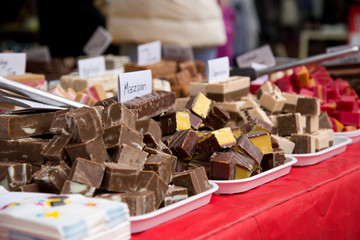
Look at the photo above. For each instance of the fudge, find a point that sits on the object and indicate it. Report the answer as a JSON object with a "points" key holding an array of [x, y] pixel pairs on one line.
{"points": [[116, 114], [93, 150], [174, 194], [55, 150], [150, 130], [231, 90], [250, 148], [71, 187], [50, 178], [308, 106], [129, 156], [14, 175], [304, 143], [262, 140], [115, 136], [217, 117], [184, 143], [87, 172], [172, 121], [162, 164], [200, 105], [195, 180], [120, 177], [289, 123], [216, 140], [222, 166]]}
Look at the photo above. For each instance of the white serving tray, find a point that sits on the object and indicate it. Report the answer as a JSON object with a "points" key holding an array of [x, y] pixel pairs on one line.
{"points": [[242, 185], [339, 146], [149, 220], [353, 135]]}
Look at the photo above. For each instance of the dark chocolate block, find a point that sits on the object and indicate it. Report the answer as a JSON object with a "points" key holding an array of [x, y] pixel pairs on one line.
{"points": [[244, 164], [116, 114], [87, 172], [308, 106], [222, 166], [199, 105], [152, 104], [250, 148], [14, 175], [117, 135], [173, 121], [195, 120], [50, 178], [195, 180], [93, 149], [59, 125], [107, 102], [150, 130], [217, 117], [20, 126], [129, 156], [120, 178], [184, 143], [71, 187], [55, 150], [31, 187], [150, 181], [288, 124], [23, 150], [303, 143], [162, 164], [138, 202], [174, 194], [216, 140], [274, 159]]}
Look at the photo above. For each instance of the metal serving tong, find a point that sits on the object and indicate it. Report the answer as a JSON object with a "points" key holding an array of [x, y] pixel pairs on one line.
{"points": [[253, 73], [33, 94]]}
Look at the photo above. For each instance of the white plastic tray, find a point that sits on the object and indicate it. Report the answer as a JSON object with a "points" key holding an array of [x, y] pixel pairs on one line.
{"points": [[353, 135], [339, 146], [149, 220], [242, 185]]}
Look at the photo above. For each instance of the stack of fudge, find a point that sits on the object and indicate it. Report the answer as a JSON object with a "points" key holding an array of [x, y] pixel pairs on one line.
{"points": [[112, 150]]}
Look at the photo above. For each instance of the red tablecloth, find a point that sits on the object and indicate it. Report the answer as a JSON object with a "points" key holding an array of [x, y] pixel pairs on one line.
{"points": [[321, 201]]}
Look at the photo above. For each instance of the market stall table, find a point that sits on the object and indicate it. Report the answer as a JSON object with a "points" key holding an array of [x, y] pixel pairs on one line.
{"points": [[314, 202]]}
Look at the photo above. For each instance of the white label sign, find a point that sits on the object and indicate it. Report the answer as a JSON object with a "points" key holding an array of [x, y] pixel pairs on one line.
{"points": [[178, 52], [262, 55], [353, 58], [39, 54], [134, 84], [91, 67], [149, 53], [98, 42], [219, 69], [12, 63]]}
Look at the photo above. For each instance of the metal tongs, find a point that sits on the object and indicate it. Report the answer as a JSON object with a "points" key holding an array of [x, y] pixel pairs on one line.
{"points": [[254, 73], [30, 94]]}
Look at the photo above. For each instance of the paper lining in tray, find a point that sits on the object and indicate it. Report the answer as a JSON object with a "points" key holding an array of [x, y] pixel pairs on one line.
{"points": [[353, 135], [339, 146], [152, 219], [242, 185]]}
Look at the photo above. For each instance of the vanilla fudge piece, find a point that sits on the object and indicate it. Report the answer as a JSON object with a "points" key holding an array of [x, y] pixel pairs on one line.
{"points": [[290, 103], [115, 136], [161, 85], [71, 187], [55, 150], [120, 177], [308, 106], [284, 143], [129, 156], [108, 81], [312, 124], [216, 140], [173, 121], [87, 172], [200, 105], [249, 114], [272, 102], [248, 103], [25, 125], [195, 180], [150, 130], [196, 87], [330, 135], [84, 124], [162, 164], [304, 143], [324, 121], [232, 89], [174, 194], [184, 143], [93, 150], [321, 140], [232, 108], [14, 175], [51, 177], [289, 123], [117, 113]]}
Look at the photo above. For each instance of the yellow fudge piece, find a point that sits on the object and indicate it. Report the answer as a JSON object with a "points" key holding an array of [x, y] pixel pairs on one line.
{"points": [[262, 140], [182, 121], [201, 105]]}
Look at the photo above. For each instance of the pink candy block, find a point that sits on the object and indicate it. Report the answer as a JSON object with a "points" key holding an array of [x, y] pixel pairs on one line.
{"points": [[284, 84], [333, 93], [349, 118], [347, 103], [306, 92], [320, 92], [254, 87], [344, 86]]}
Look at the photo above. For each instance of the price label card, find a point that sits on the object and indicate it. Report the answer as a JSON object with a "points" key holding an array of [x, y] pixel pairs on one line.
{"points": [[98, 42], [178, 52], [134, 84], [91, 67], [262, 55], [149, 53], [219, 69], [353, 58], [12, 63], [39, 54]]}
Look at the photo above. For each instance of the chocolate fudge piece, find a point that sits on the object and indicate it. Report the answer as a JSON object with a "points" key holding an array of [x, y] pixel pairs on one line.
{"points": [[59, 125], [216, 140], [116, 114], [152, 104], [304, 143], [50, 178], [173, 121], [289, 123], [93, 149], [250, 148], [256, 125], [308, 105], [217, 117], [129, 156], [23, 150], [199, 104], [20, 126], [324, 121], [84, 124], [13, 175], [274, 159], [195, 120], [162, 164], [184, 143], [150, 181], [150, 130], [71, 187], [115, 136], [174, 194], [195, 180], [222, 166], [107, 102], [87, 172], [55, 150], [31, 187], [120, 178], [245, 165]]}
